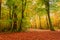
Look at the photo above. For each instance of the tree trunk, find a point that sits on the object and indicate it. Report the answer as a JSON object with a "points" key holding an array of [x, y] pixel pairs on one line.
{"points": [[0, 8], [47, 23], [10, 17], [47, 9], [15, 22], [23, 9], [14, 15], [0, 14], [40, 24], [10, 12]]}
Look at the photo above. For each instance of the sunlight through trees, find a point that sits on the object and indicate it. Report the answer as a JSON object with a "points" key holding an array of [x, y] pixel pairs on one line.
{"points": [[21, 15]]}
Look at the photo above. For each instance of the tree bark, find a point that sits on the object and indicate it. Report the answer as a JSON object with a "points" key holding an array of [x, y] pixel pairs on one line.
{"points": [[0, 13], [47, 23], [47, 9], [14, 16], [40, 23], [23, 9], [0, 8]]}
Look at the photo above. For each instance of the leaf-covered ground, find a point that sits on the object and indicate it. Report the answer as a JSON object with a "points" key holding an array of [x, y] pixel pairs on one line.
{"points": [[40, 35]]}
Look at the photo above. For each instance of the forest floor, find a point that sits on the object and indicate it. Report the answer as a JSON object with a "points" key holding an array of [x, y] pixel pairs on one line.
{"points": [[33, 35]]}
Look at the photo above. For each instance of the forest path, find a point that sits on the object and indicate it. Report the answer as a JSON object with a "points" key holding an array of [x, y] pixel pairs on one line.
{"points": [[36, 35]]}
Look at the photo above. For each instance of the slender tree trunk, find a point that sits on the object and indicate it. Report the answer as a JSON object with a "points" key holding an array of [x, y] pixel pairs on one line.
{"points": [[0, 13], [23, 9], [14, 18], [47, 22], [47, 9], [40, 23], [10, 12], [0, 8], [10, 17]]}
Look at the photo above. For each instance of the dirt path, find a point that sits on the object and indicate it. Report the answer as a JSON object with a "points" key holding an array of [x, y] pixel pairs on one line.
{"points": [[41, 35]]}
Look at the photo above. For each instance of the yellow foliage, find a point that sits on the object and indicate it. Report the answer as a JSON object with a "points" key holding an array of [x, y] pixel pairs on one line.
{"points": [[58, 3], [32, 23], [37, 21]]}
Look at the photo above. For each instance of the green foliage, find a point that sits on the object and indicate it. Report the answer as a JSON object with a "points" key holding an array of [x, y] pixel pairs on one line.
{"points": [[10, 3], [22, 11], [26, 23]]}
